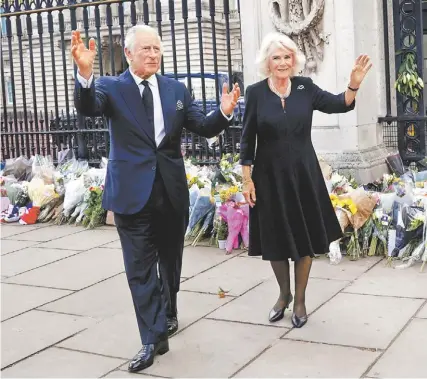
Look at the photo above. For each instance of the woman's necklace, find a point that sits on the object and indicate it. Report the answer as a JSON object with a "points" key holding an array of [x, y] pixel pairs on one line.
{"points": [[274, 89]]}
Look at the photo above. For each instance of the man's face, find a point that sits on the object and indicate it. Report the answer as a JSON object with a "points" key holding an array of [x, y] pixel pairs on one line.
{"points": [[146, 55]]}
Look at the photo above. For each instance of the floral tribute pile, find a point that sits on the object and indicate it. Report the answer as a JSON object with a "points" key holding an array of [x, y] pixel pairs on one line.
{"points": [[34, 190], [218, 211], [385, 218]]}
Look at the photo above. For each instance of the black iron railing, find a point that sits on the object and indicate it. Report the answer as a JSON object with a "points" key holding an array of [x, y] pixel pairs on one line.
{"points": [[402, 133], [37, 73]]}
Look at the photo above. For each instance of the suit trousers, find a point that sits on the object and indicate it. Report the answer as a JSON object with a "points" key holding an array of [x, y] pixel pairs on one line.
{"points": [[152, 242]]}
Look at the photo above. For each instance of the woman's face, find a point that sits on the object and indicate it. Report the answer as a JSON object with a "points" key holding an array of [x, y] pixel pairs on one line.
{"points": [[281, 63]]}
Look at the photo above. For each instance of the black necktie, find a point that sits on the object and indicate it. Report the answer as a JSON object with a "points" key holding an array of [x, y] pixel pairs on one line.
{"points": [[147, 99]]}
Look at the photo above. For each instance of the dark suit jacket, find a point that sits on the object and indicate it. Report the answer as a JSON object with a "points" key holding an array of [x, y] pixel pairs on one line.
{"points": [[134, 156]]}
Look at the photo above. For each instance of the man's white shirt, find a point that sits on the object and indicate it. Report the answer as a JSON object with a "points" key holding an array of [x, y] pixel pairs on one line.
{"points": [[159, 123]]}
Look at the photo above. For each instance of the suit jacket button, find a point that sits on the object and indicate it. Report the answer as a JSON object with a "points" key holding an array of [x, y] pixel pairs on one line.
{"points": [[153, 168]]}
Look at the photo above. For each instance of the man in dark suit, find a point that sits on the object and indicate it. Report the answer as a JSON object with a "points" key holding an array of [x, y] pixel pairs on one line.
{"points": [[146, 185]]}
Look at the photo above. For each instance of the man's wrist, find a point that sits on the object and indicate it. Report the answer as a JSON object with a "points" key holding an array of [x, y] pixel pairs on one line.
{"points": [[227, 116], [85, 74]]}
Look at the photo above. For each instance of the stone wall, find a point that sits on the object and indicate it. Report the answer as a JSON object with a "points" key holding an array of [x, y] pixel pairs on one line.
{"points": [[351, 141]]}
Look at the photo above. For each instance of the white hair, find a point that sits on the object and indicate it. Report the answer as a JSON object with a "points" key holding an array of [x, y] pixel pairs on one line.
{"points": [[273, 41], [131, 35]]}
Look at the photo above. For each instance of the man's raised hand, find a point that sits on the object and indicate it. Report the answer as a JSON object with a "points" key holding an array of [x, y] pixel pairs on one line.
{"points": [[83, 56]]}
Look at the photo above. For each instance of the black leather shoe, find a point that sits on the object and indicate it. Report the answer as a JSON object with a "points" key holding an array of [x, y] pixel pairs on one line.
{"points": [[299, 322], [145, 356], [172, 325], [278, 315]]}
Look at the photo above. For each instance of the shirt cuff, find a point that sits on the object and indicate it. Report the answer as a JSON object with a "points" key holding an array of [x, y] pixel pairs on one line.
{"points": [[84, 82], [227, 117]]}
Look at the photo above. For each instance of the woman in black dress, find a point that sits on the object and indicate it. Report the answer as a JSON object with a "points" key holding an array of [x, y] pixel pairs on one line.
{"points": [[291, 215]]}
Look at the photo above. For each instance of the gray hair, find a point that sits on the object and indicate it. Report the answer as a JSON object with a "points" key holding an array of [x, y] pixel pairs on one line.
{"points": [[131, 35], [273, 41]]}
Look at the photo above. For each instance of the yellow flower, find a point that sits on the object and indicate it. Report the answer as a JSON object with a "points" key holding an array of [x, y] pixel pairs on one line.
{"points": [[347, 203], [353, 208]]}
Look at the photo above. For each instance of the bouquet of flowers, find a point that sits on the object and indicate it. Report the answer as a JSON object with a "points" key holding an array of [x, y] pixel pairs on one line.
{"points": [[199, 176], [66, 171], [381, 224], [236, 215], [203, 206], [74, 194], [395, 163], [43, 168], [94, 213], [230, 169], [13, 191], [40, 195], [19, 168], [48, 211], [340, 185]]}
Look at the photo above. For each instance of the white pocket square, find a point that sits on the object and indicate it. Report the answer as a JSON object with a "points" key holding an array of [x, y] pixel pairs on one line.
{"points": [[179, 105], [301, 86]]}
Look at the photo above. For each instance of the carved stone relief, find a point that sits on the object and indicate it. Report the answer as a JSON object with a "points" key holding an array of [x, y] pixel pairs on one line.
{"points": [[300, 20]]}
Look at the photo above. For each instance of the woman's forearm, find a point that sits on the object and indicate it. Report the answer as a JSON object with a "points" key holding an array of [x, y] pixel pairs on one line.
{"points": [[349, 97]]}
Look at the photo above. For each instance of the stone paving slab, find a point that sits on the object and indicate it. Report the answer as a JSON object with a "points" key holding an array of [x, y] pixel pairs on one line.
{"points": [[123, 337], [423, 312], [295, 359], [113, 245], [199, 258], [236, 275], [47, 233], [254, 306], [358, 320], [16, 299], [116, 336], [407, 356], [100, 301], [30, 258], [244, 254], [345, 270], [36, 330], [85, 240], [75, 272], [213, 348], [99, 317], [61, 363], [126, 374], [9, 246], [7, 230], [383, 280]]}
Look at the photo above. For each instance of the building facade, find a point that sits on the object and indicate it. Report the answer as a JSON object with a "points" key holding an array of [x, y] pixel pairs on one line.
{"points": [[39, 74], [211, 41]]}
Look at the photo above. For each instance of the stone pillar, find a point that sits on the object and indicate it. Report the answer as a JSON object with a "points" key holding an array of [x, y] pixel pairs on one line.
{"points": [[350, 142]]}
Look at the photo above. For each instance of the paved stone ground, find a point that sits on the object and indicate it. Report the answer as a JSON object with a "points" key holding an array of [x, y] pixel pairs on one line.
{"points": [[67, 312]]}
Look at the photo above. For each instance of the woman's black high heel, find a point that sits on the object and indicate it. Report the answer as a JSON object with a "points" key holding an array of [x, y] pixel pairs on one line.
{"points": [[299, 322], [278, 315]]}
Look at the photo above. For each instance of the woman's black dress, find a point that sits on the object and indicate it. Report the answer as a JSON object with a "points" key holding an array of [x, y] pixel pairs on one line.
{"points": [[293, 216]]}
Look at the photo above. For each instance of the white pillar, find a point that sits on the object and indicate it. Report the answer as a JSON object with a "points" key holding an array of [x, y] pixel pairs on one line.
{"points": [[352, 141]]}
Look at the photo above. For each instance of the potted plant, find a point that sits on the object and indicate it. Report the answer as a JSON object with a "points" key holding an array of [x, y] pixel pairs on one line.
{"points": [[222, 234]]}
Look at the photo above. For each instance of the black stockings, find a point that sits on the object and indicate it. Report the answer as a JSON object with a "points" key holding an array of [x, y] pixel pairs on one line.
{"points": [[281, 270], [302, 272]]}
